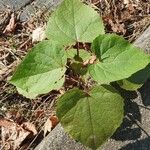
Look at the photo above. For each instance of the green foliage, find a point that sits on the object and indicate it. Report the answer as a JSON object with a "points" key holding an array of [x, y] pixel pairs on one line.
{"points": [[74, 22], [118, 59], [86, 115], [90, 113], [84, 55], [41, 71], [136, 80], [77, 62]]}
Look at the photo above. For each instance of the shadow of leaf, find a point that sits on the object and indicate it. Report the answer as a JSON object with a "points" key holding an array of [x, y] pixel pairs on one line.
{"points": [[138, 145], [128, 130], [145, 93]]}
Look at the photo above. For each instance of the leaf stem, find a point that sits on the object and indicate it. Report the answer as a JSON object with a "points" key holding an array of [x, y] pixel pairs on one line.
{"points": [[78, 49]]}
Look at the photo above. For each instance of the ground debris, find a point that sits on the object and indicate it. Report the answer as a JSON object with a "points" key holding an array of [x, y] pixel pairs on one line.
{"points": [[12, 25], [127, 17], [13, 134], [50, 124], [38, 34]]}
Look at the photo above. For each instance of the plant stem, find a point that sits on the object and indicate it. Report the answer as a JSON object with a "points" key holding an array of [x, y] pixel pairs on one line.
{"points": [[78, 49]]}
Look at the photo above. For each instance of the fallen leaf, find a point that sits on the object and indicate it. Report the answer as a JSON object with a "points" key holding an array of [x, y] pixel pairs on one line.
{"points": [[29, 127], [39, 113], [126, 2], [12, 134], [47, 126], [20, 137], [50, 124], [117, 27], [12, 24], [54, 121], [38, 34], [6, 123], [91, 60], [15, 116], [131, 9]]}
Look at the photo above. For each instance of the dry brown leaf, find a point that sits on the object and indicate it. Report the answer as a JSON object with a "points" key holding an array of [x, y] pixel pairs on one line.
{"points": [[15, 116], [29, 127], [38, 34], [62, 91], [131, 9], [54, 121], [20, 137], [50, 124], [12, 24], [126, 2], [91, 60], [39, 113], [6, 123], [47, 126], [12, 134], [117, 27]]}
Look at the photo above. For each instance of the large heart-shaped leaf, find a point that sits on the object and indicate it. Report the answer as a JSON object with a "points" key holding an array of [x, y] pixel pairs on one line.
{"points": [[118, 59], [41, 71], [91, 117], [73, 22]]}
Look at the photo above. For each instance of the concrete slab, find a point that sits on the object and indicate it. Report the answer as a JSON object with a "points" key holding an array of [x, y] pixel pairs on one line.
{"points": [[29, 8], [38, 5], [14, 4], [135, 130]]}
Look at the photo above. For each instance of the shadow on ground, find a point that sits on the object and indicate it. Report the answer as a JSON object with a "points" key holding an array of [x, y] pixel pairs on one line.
{"points": [[130, 129], [138, 145], [145, 93]]}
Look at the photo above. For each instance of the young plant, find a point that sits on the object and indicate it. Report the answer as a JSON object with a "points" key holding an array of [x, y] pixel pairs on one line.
{"points": [[90, 114]]}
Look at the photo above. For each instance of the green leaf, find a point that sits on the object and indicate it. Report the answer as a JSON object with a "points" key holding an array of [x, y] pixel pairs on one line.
{"points": [[136, 80], [91, 117], [74, 21], [129, 86], [84, 55], [41, 71], [118, 59], [77, 62]]}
